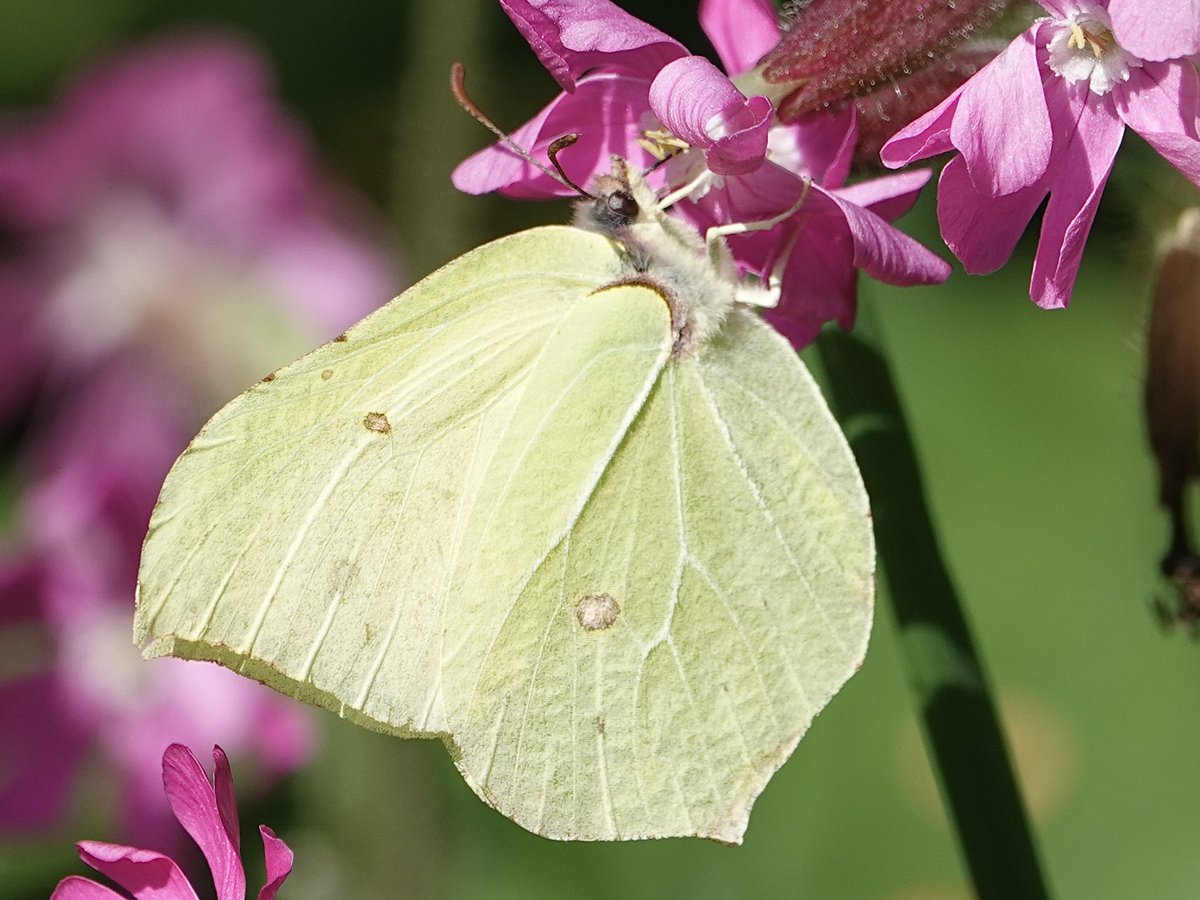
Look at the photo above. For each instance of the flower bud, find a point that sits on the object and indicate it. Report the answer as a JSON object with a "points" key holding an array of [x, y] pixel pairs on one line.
{"points": [[838, 48]]}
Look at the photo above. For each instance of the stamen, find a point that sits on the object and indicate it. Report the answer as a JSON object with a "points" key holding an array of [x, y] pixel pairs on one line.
{"points": [[661, 144], [652, 148], [1099, 42]]}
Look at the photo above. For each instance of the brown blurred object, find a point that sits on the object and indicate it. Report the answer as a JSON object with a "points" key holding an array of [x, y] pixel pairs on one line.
{"points": [[1173, 401]]}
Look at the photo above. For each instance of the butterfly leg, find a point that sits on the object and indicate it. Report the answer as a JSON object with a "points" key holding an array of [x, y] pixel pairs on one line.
{"points": [[765, 294], [719, 232]]}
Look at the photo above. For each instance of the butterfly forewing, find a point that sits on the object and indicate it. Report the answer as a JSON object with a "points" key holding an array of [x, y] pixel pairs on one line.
{"points": [[308, 535]]}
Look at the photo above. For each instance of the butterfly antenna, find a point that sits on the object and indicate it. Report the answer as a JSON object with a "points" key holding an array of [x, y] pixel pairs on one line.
{"points": [[458, 87], [557, 147], [654, 166]]}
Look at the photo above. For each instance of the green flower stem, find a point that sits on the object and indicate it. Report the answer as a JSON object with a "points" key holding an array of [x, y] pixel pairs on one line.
{"points": [[957, 712]]}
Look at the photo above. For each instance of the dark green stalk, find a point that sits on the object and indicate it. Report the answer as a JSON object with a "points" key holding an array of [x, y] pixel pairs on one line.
{"points": [[958, 715]]}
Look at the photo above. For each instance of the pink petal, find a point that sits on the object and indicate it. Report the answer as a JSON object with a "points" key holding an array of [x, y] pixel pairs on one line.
{"points": [[606, 111], [819, 145], [1080, 175], [742, 146], [1002, 124], [75, 887], [980, 230], [226, 800], [687, 93], [1181, 152], [888, 254], [571, 37], [1164, 29], [1161, 97], [194, 114], [1161, 102], [278, 857], [819, 280], [761, 195], [194, 803], [145, 874], [699, 104], [741, 31], [925, 136], [1057, 8], [329, 273], [889, 196]]}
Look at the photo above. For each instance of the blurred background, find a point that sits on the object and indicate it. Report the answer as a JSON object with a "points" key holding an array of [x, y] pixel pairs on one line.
{"points": [[157, 256]]}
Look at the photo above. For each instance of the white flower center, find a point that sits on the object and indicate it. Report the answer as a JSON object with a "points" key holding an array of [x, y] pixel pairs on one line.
{"points": [[1083, 49]]}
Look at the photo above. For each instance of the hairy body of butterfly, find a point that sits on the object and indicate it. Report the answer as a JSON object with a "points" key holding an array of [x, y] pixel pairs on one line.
{"points": [[699, 281], [614, 551]]}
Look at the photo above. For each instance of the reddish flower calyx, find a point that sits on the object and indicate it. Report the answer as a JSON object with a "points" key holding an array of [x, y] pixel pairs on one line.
{"points": [[834, 49]]}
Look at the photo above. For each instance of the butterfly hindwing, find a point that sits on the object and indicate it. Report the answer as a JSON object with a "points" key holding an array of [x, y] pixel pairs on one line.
{"points": [[714, 592]]}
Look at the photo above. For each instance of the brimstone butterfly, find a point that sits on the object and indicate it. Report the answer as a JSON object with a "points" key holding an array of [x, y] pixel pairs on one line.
{"points": [[565, 504]]}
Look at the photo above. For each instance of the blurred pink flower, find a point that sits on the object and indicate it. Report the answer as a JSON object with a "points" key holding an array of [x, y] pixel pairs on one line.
{"points": [[629, 88], [171, 242], [1046, 117], [208, 812], [165, 190]]}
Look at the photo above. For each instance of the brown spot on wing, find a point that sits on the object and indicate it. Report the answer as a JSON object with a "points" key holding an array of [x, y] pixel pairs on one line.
{"points": [[597, 611], [377, 422]]}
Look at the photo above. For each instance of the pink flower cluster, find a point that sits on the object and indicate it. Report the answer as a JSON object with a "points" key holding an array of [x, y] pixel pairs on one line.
{"points": [[1043, 119], [168, 241], [632, 91]]}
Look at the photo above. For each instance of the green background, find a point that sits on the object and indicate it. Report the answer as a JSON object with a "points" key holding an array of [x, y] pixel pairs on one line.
{"points": [[1029, 428]]}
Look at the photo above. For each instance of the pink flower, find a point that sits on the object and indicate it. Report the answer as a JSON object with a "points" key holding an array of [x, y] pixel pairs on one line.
{"points": [[629, 90], [813, 255], [208, 813], [168, 242], [1046, 117], [644, 98]]}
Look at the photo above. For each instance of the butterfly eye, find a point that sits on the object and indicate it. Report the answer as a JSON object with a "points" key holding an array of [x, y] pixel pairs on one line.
{"points": [[622, 206], [612, 210]]}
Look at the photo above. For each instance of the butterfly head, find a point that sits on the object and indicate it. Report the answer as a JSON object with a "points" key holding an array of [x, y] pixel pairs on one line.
{"points": [[617, 202]]}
